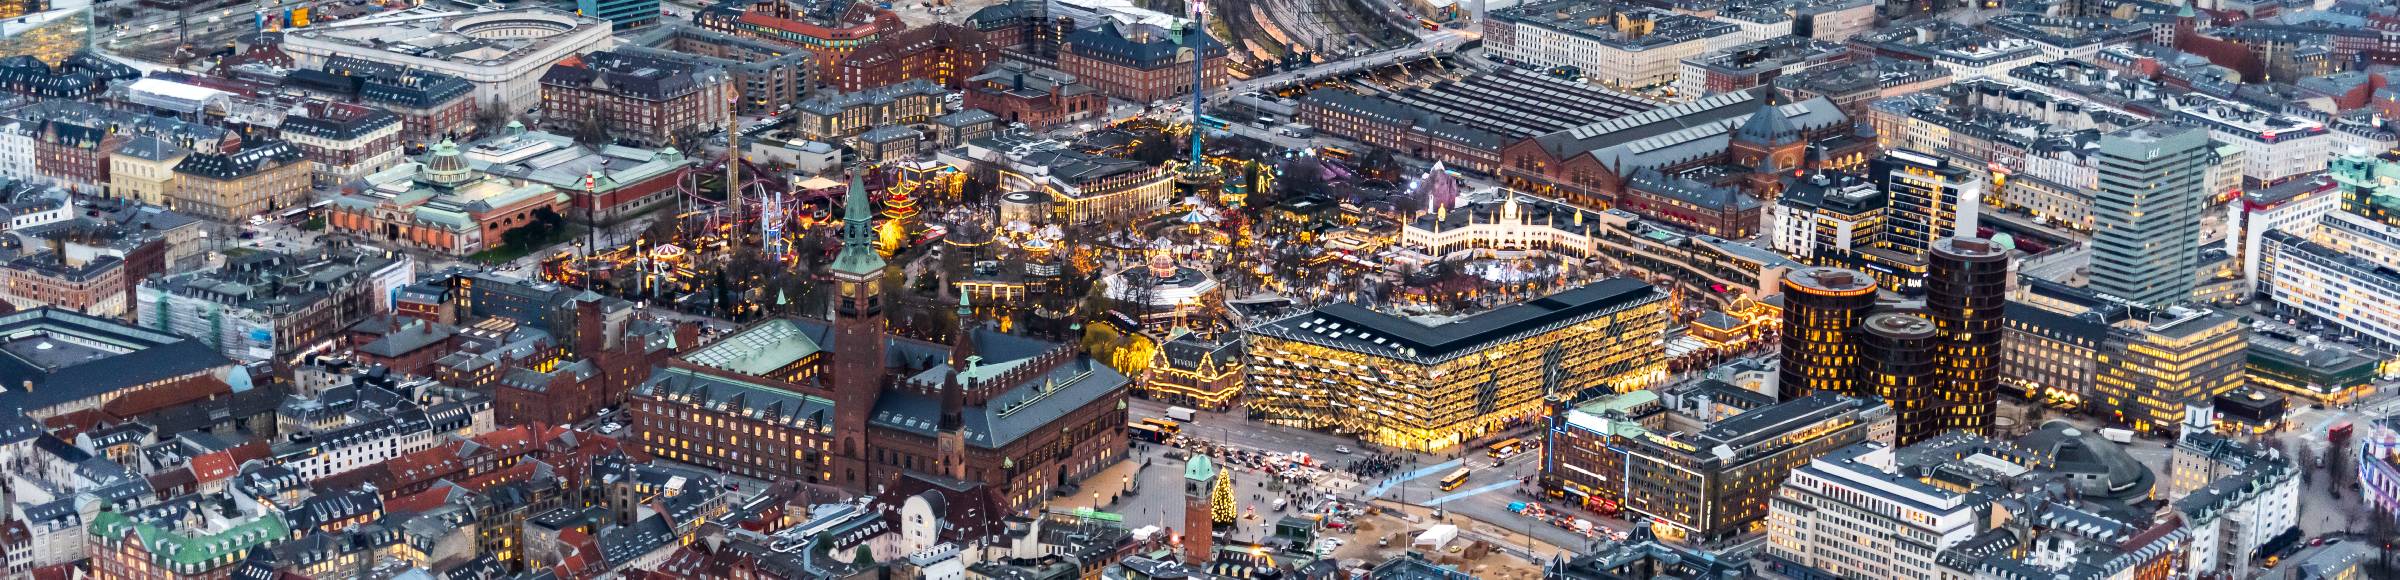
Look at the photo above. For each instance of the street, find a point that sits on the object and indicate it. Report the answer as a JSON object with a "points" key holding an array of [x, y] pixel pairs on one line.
{"points": [[1479, 505]]}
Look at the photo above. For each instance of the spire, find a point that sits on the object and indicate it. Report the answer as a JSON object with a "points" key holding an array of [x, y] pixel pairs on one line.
{"points": [[962, 345], [1768, 125], [858, 257]]}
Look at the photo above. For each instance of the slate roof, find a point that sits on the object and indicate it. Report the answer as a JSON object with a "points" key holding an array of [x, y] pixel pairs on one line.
{"points": [[253, 158], [624, 73], [338, 121], [152, 148], [140, 356], [1141, 46], [1355, 328]]}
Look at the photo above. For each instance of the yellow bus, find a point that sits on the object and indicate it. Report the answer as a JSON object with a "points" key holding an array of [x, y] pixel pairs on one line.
{"points": [[1504, 449], [1455, 479], [1163, 425]]}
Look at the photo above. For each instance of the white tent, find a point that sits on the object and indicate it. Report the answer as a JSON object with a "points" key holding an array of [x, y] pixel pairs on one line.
{"points": [[1435, 537]]}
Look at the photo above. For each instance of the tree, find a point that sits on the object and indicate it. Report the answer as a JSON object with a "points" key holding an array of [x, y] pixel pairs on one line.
{"points": [[544, 229], [1299, 176], [1220, 500], [1154, 149], [591, 132]]}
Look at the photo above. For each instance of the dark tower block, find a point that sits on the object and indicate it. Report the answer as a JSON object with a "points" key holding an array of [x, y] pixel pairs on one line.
{"points": [[858, 328], [1896, 362], [1966, 289], [1822, 308]]}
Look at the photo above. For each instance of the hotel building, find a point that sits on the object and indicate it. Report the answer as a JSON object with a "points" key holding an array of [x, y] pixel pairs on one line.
{"points": [[1409, 385]]}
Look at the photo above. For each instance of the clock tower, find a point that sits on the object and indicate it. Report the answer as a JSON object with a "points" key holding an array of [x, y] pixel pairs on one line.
{"points": [[858, 333]]}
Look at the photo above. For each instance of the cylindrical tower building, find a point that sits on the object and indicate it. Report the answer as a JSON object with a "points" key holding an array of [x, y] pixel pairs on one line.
{"points": [[1822, 309], [1896, 362], [1966, 290]]}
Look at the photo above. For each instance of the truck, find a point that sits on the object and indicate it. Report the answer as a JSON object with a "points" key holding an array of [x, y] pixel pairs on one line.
{"points": [[1183, 414], [2117, 435], [1299, 130]]}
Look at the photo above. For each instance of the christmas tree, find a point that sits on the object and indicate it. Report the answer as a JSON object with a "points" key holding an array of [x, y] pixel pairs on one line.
{"points": [[1220, 500]]}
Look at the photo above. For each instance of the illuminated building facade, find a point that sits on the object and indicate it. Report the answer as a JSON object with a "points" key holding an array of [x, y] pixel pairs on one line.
{"points": [[1407, 385], [2323, 372], [2050, 350], [1519, 224], [1715, 483], [1196, 372], [2379, 468], [942, 52], [1897, 362], [2157, 361], [1966, 287], [54, 32], [1580, 460], [1822, 309], [1073, 186]]}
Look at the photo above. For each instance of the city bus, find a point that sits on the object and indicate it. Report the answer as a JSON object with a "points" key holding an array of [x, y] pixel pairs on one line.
{"points": [[1455, 479], [1429, 24], [1504, 449], [1163, 425], [1335, 153], [1146, 433], [1210, 121]]}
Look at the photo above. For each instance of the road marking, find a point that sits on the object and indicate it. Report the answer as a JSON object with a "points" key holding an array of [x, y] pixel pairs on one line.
{"points": [[1387, 485], [1467, 494]]}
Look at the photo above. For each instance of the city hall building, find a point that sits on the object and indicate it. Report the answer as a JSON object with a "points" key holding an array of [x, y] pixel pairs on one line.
{"points": [[1406, 384]]}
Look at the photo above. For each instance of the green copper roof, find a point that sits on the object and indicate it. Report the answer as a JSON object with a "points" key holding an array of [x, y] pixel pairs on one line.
{"points": [[858, 257], [191, 554], [1199, 469], [758, 350]]}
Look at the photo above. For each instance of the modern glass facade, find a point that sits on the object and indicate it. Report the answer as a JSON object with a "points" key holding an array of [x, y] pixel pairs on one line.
{"points": [[1896, 362], [1966, 295], [1822, 309], [2146, 247]]}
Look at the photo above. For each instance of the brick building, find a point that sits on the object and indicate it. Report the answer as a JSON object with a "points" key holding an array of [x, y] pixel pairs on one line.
{"points": [[1141, 62], [611, 353], [1040, 98], [441, 205], [1746, 139], [827, 29], [767, 75], [346, 141], [640, 99], [943, 53], [94, 286], [845, 403], [430, 105]]}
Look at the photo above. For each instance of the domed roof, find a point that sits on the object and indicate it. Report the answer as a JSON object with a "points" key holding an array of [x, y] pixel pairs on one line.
{"points": [[445, 165], [446, 157]]}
